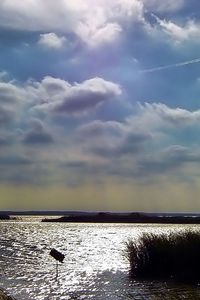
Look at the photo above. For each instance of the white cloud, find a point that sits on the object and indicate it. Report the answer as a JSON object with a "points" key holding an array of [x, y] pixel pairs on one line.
{"points": [[139, 146], [158, 116], [100, 136], [94, 23], [3, 75], [12, 99], [142, 146], [132, 146], [98, 128], [51, 40], [63, 98], [126, 10], [54, 95], [11, 93], [97, 36], [187, 32], [104, 21], [175, 116]]}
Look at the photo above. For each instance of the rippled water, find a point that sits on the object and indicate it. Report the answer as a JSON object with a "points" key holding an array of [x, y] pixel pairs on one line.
{"points": [[94, 267]]}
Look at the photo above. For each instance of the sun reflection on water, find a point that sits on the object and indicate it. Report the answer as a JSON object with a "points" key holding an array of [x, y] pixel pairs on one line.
{"points": [[94, 267]]}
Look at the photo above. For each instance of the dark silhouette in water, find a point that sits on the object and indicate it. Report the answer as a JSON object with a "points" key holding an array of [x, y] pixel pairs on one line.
{"points": [[4, 217], [57, 255], [133, 217], [165, 256]]}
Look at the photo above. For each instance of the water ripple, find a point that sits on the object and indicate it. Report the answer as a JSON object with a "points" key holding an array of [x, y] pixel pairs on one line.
{"points": [[94, 267]]}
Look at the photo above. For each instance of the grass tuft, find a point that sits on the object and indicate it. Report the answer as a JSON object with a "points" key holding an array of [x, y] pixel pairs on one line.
{"points": [[176, 255]]}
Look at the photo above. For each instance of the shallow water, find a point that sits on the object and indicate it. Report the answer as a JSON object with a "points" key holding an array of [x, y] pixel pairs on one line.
{"points": [[94, 266]]}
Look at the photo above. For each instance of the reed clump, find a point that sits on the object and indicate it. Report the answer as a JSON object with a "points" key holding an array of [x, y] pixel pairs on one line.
{"points": [[175, 255]]}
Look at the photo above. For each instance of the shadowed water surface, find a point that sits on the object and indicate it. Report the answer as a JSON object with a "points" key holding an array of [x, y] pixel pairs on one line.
{"points": [[94, 267]]}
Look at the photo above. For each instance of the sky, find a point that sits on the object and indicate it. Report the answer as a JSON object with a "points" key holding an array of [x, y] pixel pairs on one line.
{"points": [[99, 105]]}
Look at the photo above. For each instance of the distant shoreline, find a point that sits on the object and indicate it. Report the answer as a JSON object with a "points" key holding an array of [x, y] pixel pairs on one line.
{"points": [[103, 217], [90, 212]]}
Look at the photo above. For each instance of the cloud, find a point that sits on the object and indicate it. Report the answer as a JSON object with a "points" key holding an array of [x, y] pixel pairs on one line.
{"points": [[156, 116], [99, 23], [9, 96], [104, 22], [174, 162], [10, 93], [3, 75], [142, 146], [96, 36], [150, 126], [177, 116], [12, 99], [64, 98], [98, 128], [130, 148], [94, 25], [37, 15], [53, 96], [6, 116], [179, 34], [112, 139], [37, 135], [51, 41], [131, 144], [169, 159], [107, 20]]}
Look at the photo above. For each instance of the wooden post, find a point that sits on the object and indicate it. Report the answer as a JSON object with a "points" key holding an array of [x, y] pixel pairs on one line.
{"points": [[56, 270]]}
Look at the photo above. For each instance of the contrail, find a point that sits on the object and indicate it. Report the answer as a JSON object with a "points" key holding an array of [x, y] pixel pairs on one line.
{"points": [[184, 63]]}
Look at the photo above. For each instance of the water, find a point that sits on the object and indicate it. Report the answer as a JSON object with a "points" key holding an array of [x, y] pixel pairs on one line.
{"points": [[94, 267]]}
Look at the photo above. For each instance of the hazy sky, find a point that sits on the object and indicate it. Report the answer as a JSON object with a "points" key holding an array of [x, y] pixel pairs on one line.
{"points": [[99, 104]]}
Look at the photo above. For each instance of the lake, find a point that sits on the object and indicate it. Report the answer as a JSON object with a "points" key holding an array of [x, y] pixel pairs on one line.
{"points": [[94, 266]]}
